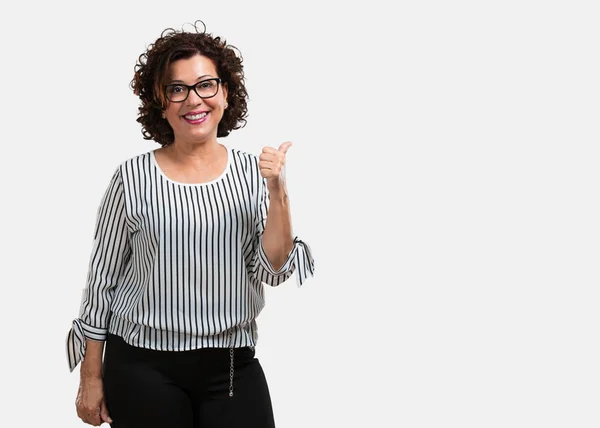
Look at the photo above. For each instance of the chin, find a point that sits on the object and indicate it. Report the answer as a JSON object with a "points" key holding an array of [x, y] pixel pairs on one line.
{"points": [[197, 136]]}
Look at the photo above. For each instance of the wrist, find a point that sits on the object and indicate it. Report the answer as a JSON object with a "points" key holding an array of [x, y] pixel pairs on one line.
{"points": [[90, 374], [91, 368], [277, 191]]}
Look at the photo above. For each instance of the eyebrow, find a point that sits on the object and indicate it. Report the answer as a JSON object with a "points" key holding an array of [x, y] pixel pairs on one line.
{"points": [[181, 81]]}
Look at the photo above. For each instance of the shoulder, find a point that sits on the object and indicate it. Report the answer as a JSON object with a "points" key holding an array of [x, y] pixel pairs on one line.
{"points": [[134, 166], [248, 164], [243, 157], [136, 160], [245, 162]]}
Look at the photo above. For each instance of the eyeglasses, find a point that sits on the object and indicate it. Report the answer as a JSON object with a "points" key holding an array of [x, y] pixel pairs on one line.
{"points": [[178, 92]]}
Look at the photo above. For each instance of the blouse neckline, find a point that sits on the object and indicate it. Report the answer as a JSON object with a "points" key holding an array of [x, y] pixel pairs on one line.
{"points": [[206, 183]]}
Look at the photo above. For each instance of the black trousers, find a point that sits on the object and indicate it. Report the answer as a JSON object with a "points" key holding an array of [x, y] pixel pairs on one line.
{"points": [[187, 389]]}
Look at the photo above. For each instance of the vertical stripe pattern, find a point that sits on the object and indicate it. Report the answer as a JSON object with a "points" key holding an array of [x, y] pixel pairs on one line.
{"points": [[178, 266]]}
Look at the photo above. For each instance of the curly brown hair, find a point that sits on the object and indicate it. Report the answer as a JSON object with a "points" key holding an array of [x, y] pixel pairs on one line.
{"points": [[151, 72]]}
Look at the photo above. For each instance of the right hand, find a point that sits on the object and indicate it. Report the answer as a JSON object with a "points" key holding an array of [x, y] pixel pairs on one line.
{"points": [[90, 402]]}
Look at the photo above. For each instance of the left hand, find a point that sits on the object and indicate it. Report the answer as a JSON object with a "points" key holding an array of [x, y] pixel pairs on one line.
{"points": [[272, 165]]}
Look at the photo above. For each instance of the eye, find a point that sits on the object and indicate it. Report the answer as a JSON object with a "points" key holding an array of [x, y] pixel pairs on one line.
{"points": [[176, 89], [207, 84]]}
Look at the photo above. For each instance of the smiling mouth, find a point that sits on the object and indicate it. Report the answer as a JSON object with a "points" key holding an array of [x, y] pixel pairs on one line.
{"points": [[196, 116]]}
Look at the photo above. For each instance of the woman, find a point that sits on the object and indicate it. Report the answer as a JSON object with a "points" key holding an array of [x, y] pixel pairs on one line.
{"points": [[185, 237]]}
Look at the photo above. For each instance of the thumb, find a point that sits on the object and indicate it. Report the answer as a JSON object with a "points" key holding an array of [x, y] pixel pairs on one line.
{"points": [[104, 413], [285, 146]]}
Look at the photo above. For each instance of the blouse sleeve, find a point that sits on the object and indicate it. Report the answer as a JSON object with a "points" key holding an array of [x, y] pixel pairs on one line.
{"points": [[110, 252], [299, 259]]}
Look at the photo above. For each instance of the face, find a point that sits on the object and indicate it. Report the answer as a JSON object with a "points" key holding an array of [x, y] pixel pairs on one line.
{"points": [[195, 119]]}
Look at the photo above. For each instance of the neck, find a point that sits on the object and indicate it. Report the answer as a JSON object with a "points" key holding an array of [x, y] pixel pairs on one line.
{"points": [[195, 154]]}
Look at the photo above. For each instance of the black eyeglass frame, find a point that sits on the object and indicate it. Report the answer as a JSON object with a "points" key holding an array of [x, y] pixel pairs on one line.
{"points": [[190, 87]]}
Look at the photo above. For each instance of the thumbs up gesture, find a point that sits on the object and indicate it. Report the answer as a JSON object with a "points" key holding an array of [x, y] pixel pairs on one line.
{"points": [[271, 163]]}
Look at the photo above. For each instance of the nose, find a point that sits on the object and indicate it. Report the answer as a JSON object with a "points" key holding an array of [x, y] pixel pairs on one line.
{"points": [[193, 98]]}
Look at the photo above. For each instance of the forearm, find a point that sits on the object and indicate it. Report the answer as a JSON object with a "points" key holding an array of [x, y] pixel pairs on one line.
{"points": [[277, 237], [91, 366]]}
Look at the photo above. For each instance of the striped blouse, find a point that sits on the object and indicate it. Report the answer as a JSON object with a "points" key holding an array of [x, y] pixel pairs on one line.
{"points": [[178, 266]]}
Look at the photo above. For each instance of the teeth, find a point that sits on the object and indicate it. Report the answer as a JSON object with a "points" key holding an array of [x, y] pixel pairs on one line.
{"points": [[196, 116]]}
